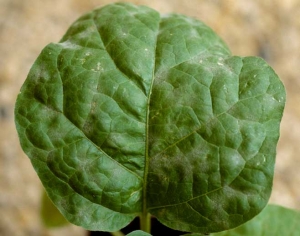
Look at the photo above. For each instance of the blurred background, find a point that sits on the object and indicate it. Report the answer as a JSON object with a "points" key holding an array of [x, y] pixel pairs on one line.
{"points": [[269, 29]]}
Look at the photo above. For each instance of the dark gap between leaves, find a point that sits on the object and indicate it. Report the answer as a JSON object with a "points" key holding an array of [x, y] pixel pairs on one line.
{"points": [[157, 229]]}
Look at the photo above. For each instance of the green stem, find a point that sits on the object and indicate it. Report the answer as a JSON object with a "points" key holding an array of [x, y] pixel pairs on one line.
{"points": [[117, 233], [145, 222]]}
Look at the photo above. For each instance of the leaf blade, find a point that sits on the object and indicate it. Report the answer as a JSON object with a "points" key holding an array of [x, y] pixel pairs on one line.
{"points": [[189, 166], [90, 161]]}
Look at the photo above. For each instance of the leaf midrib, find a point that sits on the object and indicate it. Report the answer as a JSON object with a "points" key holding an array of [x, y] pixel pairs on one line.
{"points": [[146, 168]]}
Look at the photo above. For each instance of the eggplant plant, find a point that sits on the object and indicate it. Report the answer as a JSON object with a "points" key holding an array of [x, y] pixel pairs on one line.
{"points": [[137, 114]]}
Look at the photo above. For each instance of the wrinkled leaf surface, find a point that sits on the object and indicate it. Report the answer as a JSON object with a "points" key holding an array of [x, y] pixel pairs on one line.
{"points": [[132, 111]]}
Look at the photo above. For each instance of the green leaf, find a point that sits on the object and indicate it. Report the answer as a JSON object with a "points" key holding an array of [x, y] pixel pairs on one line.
{"points": [[273, 220], [51, 217], [138, 233], [133, 112]]}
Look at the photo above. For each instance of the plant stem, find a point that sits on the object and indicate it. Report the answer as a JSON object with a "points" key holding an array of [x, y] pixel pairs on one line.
{"points": [[145, 222], [117, 233]]}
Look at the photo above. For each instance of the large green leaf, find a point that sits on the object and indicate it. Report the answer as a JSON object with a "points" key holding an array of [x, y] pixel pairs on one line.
{"points": [[273, 220], [133, 112]]}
